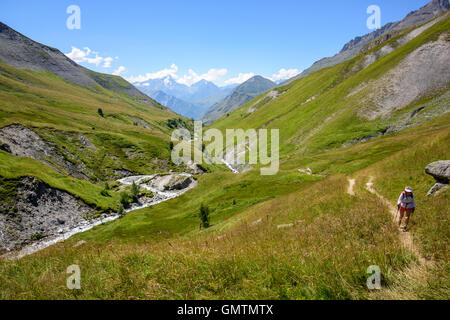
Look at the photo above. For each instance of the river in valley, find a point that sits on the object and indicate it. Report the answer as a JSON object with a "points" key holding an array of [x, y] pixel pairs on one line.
{"points": [[163, 187]]}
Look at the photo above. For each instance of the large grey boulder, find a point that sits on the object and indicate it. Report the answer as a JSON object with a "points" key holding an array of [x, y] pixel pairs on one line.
{"points": [[440, 171], [179, 184]]}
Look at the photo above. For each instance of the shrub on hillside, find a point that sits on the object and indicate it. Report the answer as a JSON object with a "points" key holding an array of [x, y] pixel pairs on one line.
{"points": [[204, 215], [134, 192], [121, 211], [125, 199]]}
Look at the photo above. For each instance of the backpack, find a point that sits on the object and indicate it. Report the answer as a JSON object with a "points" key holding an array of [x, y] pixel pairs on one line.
{"points": [[404, 194]]}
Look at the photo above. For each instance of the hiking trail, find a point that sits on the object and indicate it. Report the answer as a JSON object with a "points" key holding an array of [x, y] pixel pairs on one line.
{"points": [[417, 273], [405, 237]]}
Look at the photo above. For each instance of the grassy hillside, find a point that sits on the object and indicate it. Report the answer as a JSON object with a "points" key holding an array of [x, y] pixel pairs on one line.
{"points": [[239, 96], [326, 109], [129, 136], [160, 253]]}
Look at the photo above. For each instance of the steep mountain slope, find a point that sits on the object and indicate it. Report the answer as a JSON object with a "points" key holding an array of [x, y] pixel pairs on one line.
{"points": [[182, 107], [240, 95], [188, 101], [23, 53], [430, 11], [206, 102], [69, 139], [170, 86], [203, 89], [34, 95], [398, 83]]}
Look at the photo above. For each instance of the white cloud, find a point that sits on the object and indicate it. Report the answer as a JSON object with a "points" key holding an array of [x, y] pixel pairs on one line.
{"points": [[107, 62], [172, 71], [78, 55], [89, 56], [97, 60], [212, 75], [86, 55], [284, 74], [242, 77], [119, 71], [187, 79]]}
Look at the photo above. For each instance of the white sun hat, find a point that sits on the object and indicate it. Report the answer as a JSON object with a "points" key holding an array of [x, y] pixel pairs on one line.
{"points": [[408, 189]]}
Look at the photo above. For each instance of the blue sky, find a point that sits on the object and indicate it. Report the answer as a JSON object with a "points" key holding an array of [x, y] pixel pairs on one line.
{"points": [[197, 39]]}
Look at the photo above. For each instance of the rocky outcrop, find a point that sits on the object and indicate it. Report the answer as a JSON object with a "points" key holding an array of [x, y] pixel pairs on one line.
{"points": [[162, 182], [195, 168], [162, 187], [141, 122], [440, 171], [430, 11], [269, 97], [39, 211], [425, 70], [123, 173], [86, 143], [23, 142], [180, 184]]}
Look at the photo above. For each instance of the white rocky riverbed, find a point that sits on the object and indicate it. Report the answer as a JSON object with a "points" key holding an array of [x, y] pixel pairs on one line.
{"points": [[163, 187]]}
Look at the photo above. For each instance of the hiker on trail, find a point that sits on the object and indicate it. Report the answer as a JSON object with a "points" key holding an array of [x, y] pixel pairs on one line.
{"points": [[406, 204]]}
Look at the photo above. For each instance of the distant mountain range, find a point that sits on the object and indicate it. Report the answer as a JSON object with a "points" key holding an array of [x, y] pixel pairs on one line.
{"points": [[430, 11], [191, 101], [182, 107], [239, 96]]}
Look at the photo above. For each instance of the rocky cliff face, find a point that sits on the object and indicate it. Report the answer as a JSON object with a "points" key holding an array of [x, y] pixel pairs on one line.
{"points": [[23, 142], [238, 97], [432, 10], [38, 211], [425, 70]]}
